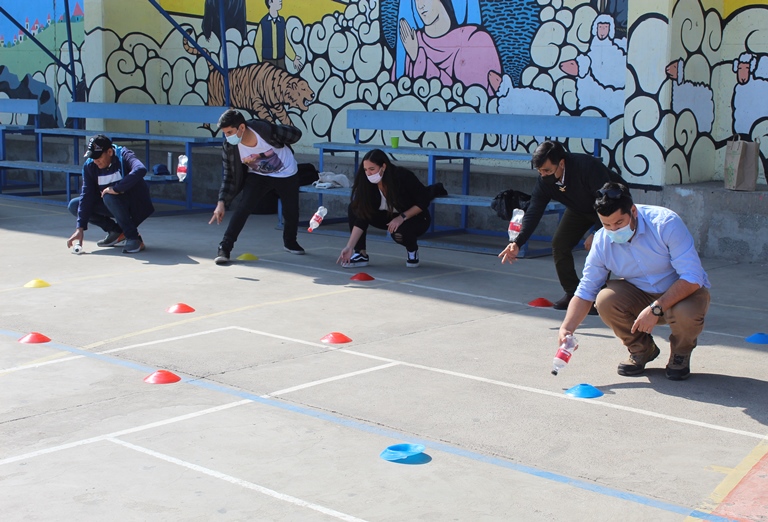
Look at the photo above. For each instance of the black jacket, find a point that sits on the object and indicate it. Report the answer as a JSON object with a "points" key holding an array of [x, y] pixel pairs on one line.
{"points": [[410, 192], [584, 176]]}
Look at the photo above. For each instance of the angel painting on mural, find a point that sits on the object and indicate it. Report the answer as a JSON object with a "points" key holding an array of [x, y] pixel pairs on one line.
{"points": [[441, 39]]}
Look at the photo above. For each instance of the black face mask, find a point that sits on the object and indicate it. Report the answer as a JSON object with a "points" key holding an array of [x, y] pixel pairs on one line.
{"points": [[549, 180]]}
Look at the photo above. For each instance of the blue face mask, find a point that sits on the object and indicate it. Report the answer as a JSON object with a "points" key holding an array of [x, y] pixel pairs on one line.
{"points": [[621, 235], [234, 139]]}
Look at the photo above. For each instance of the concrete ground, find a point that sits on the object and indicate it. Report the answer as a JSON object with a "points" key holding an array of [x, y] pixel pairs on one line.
{"points": [[270, 423]]}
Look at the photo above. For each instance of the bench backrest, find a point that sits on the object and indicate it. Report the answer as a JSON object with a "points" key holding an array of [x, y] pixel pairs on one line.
{"points": [[18, 106], [528, 125], [146, 112]]}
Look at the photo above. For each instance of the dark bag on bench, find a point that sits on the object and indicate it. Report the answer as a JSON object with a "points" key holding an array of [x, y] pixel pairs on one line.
{"points": [[307, 174], [506, 202]]}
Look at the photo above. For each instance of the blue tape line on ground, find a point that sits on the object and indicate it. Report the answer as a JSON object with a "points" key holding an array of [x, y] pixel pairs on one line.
{"points": [[495, 461]]}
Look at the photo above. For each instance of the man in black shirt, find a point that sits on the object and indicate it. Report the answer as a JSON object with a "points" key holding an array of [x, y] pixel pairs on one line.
{"points": [[573, 180]]}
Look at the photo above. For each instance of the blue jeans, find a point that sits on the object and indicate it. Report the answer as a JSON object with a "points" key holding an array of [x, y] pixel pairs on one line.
{"points": [[119, 207]]}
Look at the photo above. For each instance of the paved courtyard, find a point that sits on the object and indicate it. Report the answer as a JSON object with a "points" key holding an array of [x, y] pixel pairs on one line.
{"points": [[270, 423]]}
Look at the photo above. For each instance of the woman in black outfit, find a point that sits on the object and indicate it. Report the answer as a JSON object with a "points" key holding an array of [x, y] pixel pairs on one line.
{"points": [[390, 198]]}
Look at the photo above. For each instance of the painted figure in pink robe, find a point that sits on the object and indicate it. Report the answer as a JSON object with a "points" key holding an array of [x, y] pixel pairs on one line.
{"points": [[444, 49]]}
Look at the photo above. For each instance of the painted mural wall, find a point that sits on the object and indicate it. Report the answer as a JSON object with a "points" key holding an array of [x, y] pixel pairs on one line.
{"points": [[677, 78]]}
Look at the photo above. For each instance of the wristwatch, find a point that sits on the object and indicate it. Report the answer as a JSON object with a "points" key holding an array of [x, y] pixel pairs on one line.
{"points": [[656, 309], [402, 215]]}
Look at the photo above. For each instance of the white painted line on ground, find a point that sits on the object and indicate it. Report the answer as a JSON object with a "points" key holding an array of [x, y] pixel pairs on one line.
{"points": [[563, 396], [127, 431], [284, 338], [329, 379], [37, 365], [167, 339], [238, 482]]}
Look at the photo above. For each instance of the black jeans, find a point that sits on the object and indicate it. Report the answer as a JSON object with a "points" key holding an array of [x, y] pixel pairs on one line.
{"points": [[406, 234], [569, 232], [255, 187]]}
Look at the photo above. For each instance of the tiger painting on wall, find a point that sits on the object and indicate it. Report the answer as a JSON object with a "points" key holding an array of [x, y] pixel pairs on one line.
{"points": [[260, 88]]}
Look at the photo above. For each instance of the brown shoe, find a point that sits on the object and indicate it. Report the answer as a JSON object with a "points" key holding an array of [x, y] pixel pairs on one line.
{"points": [[679, 367], [635, 365]]}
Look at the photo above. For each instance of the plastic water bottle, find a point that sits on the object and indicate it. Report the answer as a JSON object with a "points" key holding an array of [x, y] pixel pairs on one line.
{"points": [[317, 218], [564, 353], [77, 248], [181, 168], [515, 224]]}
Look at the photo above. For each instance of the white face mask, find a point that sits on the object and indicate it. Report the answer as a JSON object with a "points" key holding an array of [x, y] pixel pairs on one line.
{"points": [[621, 235], [234, 139], [374, 178]]}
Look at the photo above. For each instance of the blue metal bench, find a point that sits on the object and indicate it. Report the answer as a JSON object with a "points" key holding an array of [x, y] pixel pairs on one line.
{"points": [[17, 106], [382, 124], [138, 112]]}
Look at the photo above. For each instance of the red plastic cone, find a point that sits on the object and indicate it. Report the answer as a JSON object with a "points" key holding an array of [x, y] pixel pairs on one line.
{"points": [[162, 377], [180, 308], [336, 338], [540, 303], [362, 276], [34, 338]]}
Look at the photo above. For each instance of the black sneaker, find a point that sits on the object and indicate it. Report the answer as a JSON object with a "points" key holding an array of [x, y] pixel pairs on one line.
{"points": [[114, 238], [357, 260], [412, 261], [562, 304], [222, 256], [133, 246], [294, 248], [679, 367]]}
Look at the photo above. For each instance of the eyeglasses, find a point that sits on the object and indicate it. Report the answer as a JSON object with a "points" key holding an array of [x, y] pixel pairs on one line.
{"points": [[612, 193]]}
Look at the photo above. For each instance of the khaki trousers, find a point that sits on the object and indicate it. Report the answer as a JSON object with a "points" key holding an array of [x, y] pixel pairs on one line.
{"points": [[620, 302]]}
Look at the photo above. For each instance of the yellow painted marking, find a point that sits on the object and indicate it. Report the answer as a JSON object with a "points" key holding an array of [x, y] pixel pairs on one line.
{"points": [[732, 480]]}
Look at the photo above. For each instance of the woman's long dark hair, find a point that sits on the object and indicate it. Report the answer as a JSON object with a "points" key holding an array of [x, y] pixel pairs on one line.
{"points": [[365, 195]]}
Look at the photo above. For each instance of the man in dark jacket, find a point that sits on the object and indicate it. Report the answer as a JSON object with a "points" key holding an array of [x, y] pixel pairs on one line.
{"points": [[256, 158], [573, 180], [113, 187]]}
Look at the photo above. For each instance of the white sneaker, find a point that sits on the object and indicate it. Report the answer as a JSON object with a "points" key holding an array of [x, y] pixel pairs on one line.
{"points": [[413, 260]]}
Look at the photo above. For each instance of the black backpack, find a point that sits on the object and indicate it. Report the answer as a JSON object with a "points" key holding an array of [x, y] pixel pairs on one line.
{"points": [[506, 202]]}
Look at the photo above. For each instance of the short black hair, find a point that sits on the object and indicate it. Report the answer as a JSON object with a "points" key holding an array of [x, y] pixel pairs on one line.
{"points": [[612, 197], [549, 150], [231, 118]]}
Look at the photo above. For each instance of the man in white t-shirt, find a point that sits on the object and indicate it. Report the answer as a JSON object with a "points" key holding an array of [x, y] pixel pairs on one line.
{"points": [[256, 158]]}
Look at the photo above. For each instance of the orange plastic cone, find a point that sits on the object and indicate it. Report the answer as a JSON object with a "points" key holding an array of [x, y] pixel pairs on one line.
{"points": [[362, 276], [34, 338], [180, 308], [540, 303], [336, 338], [162, 377]]}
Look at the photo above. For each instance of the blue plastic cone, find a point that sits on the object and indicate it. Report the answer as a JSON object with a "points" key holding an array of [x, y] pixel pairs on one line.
{"points": [[401, 451], [584, 391], [758, 338]]}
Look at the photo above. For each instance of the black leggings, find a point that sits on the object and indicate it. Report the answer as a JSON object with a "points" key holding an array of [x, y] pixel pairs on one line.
{"points": [[406, 234]]}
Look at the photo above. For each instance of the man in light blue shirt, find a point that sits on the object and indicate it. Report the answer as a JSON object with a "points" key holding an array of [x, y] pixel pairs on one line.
{"points": [[658, 279]]}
